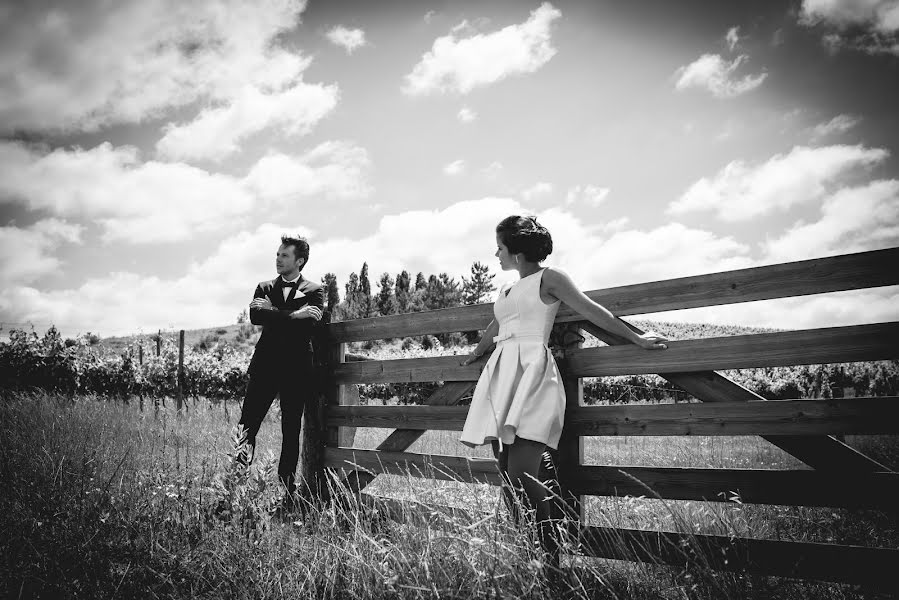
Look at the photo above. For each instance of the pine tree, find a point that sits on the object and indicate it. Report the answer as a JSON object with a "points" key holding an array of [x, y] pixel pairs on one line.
{"points": [[442, 291], [386, 302], [365, 301], [332, 296], [402, 293], [420, 281], [349, 309], [476, 289]]}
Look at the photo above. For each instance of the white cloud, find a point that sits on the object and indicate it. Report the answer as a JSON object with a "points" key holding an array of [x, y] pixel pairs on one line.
{"points": [[732, 38], [868, 25], [881, 15], [852, 220], [466, 115], [460, 64], [429, 16], [591, 195], [493, 170], [348, 39], [740, 191], [86, 65], [330, 170], [718, 76], [837, 125], [541, 188], [142, 202], [26, 253], [215, 133], [457, 167]]}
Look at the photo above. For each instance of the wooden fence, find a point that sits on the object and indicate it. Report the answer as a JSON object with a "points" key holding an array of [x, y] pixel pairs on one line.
{"points": [[839, 476]]}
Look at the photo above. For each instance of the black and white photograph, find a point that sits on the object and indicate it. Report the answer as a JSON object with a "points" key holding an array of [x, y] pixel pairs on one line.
{"points": [[336, 299]]}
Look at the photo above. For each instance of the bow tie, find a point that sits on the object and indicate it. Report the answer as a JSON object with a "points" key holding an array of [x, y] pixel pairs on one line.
{"points": [[289, 284]]}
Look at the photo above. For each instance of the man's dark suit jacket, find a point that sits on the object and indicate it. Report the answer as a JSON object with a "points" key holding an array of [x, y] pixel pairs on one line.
{"points": [[284, 342]]}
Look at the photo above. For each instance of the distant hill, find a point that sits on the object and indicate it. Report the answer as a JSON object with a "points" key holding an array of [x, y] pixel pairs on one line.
{"points": [[245, 336], [238, 335]]}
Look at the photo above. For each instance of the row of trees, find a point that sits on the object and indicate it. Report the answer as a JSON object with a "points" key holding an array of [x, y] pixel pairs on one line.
{"points": [[401, 294]]}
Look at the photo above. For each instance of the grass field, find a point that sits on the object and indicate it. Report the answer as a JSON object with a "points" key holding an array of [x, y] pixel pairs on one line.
{"points": [[101, 500]]}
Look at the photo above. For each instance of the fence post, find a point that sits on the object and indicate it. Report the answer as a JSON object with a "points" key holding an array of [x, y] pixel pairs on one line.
{"points": [[315, 437], [570, 454], [158, 343], [180, 369], [140, 363]]}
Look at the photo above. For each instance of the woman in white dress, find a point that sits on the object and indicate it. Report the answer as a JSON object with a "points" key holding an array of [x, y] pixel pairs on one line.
{"points": [[519, 402]]}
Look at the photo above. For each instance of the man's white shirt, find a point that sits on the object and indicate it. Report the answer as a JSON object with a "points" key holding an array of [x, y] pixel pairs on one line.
{"points": [[286, 290]]}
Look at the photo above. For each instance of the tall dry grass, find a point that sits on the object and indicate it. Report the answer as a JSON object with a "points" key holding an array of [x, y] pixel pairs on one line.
{"points": [[100, 500]]}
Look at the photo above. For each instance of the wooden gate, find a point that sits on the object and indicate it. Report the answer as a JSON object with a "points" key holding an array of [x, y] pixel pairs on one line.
{"points": [[839, 476]]}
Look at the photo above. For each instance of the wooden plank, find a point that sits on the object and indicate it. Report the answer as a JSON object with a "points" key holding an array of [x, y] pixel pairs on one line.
{"points": [[782, 417], [821, 452], [398, 441], [570, 453], [433, 466], [812, 346], [804, 560], [838, 273], [754, 486], [441, 368]]}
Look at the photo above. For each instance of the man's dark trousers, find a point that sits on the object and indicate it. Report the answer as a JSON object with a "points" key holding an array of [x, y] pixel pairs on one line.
{"points": [[293, 385]]}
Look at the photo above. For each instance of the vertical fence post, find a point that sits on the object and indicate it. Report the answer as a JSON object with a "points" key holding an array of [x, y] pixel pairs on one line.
{"points": [[158, 343], [180, 369], [570, 455], [315, 437], [140, 366], [334, 395]]}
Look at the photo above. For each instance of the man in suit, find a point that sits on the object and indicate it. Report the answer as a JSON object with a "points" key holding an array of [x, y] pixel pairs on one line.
{"points": [[288, 308]]}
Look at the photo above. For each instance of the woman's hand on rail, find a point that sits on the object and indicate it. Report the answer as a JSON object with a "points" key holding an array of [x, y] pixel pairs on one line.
{"points": [[652, 341], [472, 358]]}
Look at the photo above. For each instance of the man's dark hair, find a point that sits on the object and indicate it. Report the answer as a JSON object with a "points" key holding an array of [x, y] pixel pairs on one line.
{"points": [[300, 246], [524, 235]]}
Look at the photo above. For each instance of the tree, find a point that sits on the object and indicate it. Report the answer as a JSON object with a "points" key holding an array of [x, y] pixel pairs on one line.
{"points": [[442, 291], [420, 281], [243, 317], [476, 289], [364, 302], [332, 296], [349, 308], [386, 302], [403, 293]]}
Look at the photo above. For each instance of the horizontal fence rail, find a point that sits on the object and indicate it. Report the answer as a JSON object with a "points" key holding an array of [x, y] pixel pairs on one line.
{"points": [[790, 487], [817, 276], [826, 562], [778, 417], [812, 346]]}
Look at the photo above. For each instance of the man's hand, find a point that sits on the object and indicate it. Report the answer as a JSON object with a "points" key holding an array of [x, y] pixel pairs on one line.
{"points": [[263, 303], [307, 312]]}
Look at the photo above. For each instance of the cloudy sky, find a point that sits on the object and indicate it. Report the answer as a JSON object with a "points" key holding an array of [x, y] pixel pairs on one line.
{"points": [[152, 151]]}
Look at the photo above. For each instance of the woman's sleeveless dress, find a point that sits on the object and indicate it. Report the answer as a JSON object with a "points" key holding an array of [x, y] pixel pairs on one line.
{"points": [[519, 392]]}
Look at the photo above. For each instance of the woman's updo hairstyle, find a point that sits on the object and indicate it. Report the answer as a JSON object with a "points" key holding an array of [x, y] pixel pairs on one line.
{"points": [[524, 235]]}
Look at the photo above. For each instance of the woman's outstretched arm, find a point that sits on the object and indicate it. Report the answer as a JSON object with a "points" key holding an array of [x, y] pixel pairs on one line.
{"points": [[484, 345], [559, 285]]}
